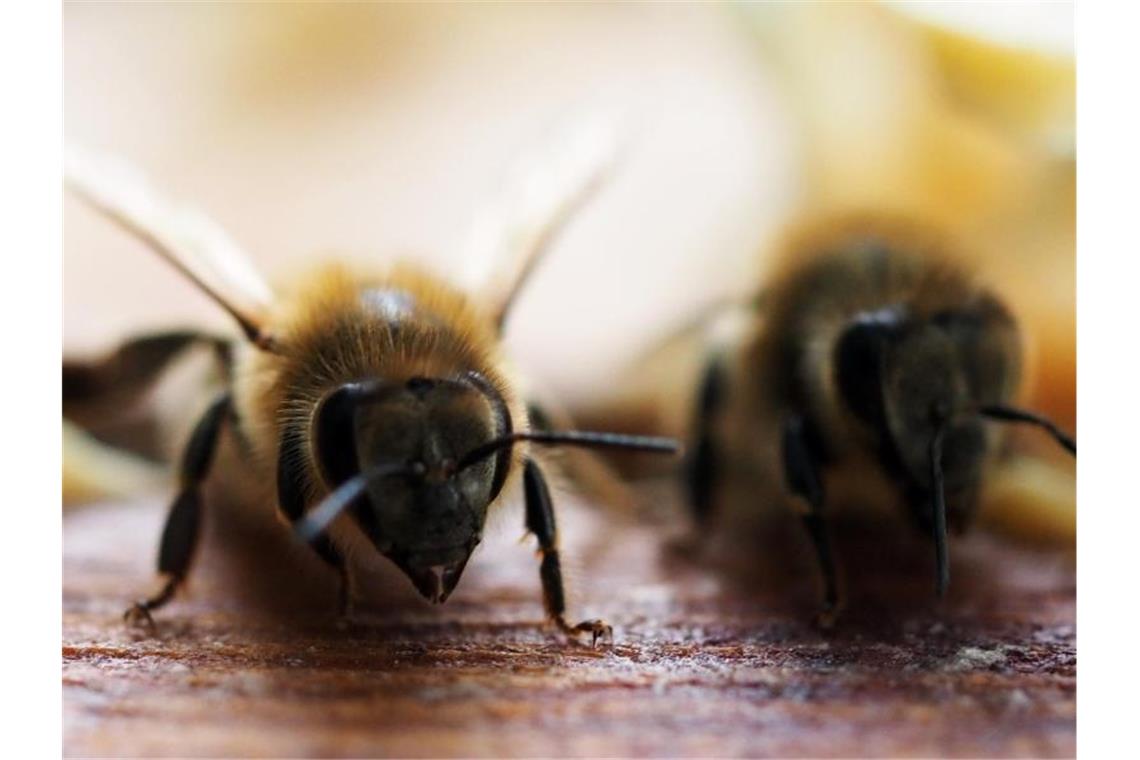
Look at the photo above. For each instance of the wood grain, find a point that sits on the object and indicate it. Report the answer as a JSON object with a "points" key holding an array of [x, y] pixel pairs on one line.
{"points": [[708, 659]]}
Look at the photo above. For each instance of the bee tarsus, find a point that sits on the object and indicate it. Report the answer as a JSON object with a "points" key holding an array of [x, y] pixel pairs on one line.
{"points": [[541, 522], [801, 475], [599, 630], [346, 599], [183, 522], [138, 616]]}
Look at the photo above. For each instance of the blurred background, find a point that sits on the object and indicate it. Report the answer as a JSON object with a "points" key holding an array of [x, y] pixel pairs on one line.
{"points": [[376, 131]]}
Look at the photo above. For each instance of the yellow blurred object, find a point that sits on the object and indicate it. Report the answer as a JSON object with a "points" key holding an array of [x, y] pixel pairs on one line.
{"points": [[878, 128], [93, 471], [967, 119], [903, 111], [1032, 499], [1024, 85]]}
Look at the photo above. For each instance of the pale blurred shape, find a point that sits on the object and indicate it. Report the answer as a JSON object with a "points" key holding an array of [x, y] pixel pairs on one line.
{"points": [[1040, 26], [377, 131], [976, 137], [93, 471], [544, 191]]}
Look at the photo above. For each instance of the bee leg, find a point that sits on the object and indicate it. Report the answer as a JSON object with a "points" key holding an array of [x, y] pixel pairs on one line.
{"points": [[180, 535], [702, 470], [346, 599], [592, 476], [540, 522], [133, 367], [801, 473], [291, 486]]}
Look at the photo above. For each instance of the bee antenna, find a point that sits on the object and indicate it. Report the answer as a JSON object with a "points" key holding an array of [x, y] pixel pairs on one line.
{"points": [[578, 438], [1004, 413], [938, 524], [316, 520]]}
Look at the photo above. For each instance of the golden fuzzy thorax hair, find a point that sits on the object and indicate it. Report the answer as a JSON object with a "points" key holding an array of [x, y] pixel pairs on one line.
{"points": [[832, 271]]}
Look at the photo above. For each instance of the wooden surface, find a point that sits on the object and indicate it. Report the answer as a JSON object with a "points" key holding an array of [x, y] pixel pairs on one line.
{"points": [[709, 658]]}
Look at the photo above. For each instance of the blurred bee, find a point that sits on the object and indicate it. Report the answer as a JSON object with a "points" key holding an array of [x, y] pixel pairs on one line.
{"points": [[373, 411], [869, 368]]}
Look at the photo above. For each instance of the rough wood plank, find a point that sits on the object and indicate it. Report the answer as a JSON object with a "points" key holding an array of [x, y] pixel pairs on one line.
{"points": [[707, 661]]}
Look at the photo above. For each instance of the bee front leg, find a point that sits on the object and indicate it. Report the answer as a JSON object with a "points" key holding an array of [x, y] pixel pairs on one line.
{"points": [[180, 535], [801, 474], [540, 522], [291, 488], [346, 599]]}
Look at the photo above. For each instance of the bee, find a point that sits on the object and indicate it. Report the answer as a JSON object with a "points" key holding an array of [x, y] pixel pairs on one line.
{"points": [[868, 371], [373, 411]]}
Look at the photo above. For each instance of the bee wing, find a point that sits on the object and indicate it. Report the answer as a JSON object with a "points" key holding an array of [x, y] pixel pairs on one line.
{"points": [[188, 239], [540, 196]]}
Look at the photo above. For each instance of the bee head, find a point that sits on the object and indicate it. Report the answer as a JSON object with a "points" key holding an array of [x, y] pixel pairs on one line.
{"points": [[402, 443], [911, 380], [927, 386], [417, 463]]}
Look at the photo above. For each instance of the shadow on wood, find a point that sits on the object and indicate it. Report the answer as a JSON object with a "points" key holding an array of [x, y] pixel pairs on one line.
{"points": [[705, 662]]}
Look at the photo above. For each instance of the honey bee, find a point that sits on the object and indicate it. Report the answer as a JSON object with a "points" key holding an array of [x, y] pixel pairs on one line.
{"points": [[374, 412], [868, 371]]}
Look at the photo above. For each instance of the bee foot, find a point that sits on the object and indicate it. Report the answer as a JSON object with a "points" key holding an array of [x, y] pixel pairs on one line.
{"points": [[598, 630], [826, 618], [351, 623], [138, 616]]}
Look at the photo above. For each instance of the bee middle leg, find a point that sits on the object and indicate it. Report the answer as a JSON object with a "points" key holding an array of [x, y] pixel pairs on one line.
{"points": [[540, 522], [801, 473], [131, 369], [593, 477], [702, 470], [180, 534]]}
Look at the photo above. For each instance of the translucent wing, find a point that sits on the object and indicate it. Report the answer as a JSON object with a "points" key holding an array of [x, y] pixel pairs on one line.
{"points": [[192, 242], [540, 196]]}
